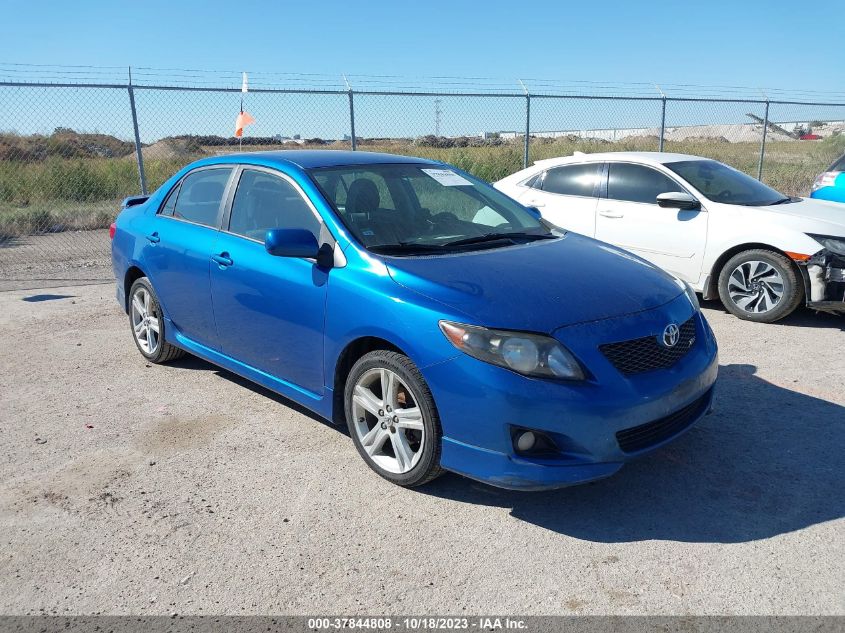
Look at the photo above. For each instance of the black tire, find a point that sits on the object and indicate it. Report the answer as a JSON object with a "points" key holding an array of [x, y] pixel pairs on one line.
{"points": [[164, 352], [793, 285], [428, 465]]}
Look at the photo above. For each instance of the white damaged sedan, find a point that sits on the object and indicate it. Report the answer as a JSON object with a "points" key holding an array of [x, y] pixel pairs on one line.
{"points": [[725, 233]]}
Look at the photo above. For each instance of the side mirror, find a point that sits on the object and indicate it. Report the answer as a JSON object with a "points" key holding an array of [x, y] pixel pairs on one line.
{"points": [[677, 200], [291, 243], [535, 212]]}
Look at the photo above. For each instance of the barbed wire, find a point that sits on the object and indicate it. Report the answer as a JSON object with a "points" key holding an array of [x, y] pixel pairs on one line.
{"points": [[19, 72]]}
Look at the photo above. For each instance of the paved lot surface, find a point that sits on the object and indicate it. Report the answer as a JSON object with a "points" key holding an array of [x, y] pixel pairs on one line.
{"points": [[129, 488]]}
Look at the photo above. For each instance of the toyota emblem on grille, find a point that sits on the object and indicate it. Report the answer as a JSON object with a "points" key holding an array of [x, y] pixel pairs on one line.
{"points": [[671, 335]]}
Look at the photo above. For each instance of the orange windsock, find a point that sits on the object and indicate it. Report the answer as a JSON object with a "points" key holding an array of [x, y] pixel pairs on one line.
{"points": [[244, 119]]}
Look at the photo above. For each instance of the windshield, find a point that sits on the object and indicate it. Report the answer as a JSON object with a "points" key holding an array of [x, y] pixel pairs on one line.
{"points": [[724, 184], [407, 208]]}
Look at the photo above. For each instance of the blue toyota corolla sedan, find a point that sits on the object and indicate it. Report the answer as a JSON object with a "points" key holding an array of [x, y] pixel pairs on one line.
{"points": [[443, 322]]}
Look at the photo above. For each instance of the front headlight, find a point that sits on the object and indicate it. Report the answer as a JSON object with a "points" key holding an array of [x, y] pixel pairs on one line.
{"points": [[693, 298], [831, 242], [528, 354]]}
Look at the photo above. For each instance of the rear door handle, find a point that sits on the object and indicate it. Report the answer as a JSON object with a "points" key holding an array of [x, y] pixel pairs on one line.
{"points": [[223, 260], [154, 238], [611, 214]]}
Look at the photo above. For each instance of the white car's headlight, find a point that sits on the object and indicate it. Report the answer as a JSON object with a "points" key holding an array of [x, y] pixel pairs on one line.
{"points": [[830, 242], [528, 354]]}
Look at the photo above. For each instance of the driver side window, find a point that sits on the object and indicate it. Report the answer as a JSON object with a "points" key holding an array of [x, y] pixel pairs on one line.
{"points": [[637, 183], [264, 201]]}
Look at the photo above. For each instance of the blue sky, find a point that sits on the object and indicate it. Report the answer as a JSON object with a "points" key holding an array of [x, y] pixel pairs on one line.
{"points": [[676, 44], [747, 43]]}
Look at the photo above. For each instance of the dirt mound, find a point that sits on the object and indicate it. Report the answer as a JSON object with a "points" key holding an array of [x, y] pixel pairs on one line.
{"points": [[64, 143], [171, 148]]}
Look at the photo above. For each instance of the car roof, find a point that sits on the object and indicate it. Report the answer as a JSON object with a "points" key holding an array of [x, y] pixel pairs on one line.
{"points": [[649, 158], [314, 158]]}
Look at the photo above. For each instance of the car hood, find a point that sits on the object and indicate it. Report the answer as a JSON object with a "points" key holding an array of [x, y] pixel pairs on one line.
{"points": [[539, 286], [810, 215]]}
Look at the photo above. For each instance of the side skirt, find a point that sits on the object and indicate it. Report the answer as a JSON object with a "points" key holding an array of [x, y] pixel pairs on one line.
{"points": [[319, 404]]}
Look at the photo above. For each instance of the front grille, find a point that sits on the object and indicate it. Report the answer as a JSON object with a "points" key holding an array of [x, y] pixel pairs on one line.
{"points": [[641, 437], [647, 354]]}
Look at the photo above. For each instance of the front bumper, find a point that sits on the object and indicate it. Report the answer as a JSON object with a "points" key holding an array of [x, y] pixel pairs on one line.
{"points": [[480, 404], [825, 280]]}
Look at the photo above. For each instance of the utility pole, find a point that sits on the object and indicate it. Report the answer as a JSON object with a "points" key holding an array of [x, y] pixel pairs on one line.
{"points": [[437, 117]]}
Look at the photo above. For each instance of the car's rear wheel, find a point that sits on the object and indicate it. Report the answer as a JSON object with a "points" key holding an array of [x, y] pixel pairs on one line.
{"points": [[760, 285], [392, 418], [147, 323]]}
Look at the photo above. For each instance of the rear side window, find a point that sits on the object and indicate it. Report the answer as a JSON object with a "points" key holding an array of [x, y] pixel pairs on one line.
{"points": [[573, 180], [199, 196], [533, 181], [170, 204], [264, 201], [637, 183]]}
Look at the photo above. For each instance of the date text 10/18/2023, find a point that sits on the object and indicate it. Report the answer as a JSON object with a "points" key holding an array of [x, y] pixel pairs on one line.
{"points": [[417, 623]]}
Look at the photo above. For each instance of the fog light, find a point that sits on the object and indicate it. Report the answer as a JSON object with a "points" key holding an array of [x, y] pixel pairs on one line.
{"points": [[525, 442]]}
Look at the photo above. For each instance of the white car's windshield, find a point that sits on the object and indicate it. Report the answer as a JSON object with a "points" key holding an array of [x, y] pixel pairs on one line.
{"points": [[407, 208], [724, 184]]}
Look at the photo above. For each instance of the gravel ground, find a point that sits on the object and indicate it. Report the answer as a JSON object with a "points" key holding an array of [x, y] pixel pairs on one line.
{"points": [[130, 488], [55, 259]]}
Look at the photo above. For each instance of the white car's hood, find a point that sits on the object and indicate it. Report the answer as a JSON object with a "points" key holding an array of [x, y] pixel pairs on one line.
{"points": [[821, 210], [807, 216]]}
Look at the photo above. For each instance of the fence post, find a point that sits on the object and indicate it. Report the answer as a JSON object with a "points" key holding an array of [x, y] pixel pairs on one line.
{"points": [[662, 123], [352, 120], [527, 130], [139, 157], [763, 143]]}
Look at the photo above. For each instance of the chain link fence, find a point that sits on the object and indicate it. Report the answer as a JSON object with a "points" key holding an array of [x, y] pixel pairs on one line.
{"points": [[69, 153]]}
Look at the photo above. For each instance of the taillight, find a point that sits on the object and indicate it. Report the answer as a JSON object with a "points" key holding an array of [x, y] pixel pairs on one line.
{"points": [[825, 180], [112, 230]]}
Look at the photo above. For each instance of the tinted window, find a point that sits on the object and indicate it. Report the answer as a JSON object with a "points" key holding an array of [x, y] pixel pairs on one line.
{"points": [[533, 181], [264, 201], [200, 194], [725, 184], [572, 180], [635, 183]]}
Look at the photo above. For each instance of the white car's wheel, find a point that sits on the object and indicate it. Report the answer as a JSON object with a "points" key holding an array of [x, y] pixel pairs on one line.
{"points": [[760, 285]]}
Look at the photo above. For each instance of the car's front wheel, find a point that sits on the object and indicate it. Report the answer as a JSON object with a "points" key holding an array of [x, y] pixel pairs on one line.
{"points": [[392, 418], [147, 323], [760, 285]]}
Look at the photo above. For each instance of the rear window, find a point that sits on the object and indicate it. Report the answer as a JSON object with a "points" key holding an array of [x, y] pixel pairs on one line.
{"points": [[199, 196], [573, 180]]}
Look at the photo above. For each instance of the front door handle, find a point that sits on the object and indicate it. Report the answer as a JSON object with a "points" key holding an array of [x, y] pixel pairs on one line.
{"points": [[154, 238], [223, 260], [611, 214]]}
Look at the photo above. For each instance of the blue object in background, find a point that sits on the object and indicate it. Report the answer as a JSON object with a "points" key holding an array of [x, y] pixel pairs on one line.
{"points": [[410, 248], [830, 185]]}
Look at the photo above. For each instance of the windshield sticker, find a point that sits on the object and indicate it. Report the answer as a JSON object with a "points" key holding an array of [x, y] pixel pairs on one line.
{"points": [[447, 177]]}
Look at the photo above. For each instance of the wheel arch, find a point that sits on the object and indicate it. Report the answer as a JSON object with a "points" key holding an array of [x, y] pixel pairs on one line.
{"points": [[711, 291], [350, 354], [133, 273]]}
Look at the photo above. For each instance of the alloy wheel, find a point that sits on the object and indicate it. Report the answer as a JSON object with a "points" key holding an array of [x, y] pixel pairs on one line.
{"points": [[388, 420], [755, 286], [145, 322]]}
